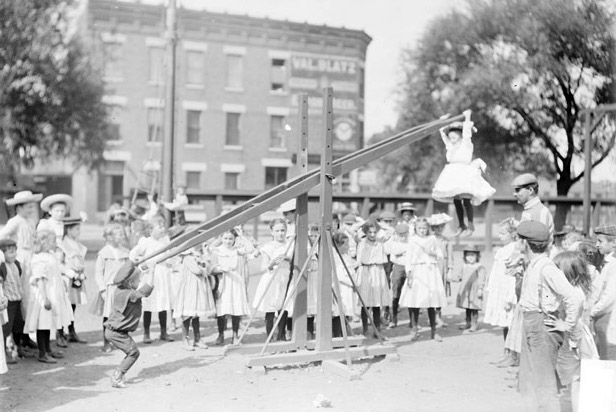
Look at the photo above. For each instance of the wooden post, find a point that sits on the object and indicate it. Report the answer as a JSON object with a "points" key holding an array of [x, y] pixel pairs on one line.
{"points": [[489, 220], [365, 208], [324, 284], [301, 229], [218, 204], [596, 216], [587, 170], [429, 207], [169, 138]]}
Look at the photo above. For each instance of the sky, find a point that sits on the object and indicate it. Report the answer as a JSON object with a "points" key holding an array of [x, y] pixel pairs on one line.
{"points": [[392, 24]]}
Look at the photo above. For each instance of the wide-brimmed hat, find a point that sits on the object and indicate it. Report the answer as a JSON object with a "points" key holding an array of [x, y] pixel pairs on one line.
{"points": [[22, 197], [387, 215], [49, 201], [471, 249], [439, 219], [406, 206]]}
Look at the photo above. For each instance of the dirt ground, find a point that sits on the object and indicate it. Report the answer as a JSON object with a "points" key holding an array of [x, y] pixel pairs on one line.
{"points": [[455, 375]]}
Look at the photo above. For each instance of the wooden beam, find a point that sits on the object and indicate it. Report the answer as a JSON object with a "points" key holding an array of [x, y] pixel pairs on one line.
{"points": [[305, 356], [275, 347], [587, 172], [301, 229], [324, 282]]}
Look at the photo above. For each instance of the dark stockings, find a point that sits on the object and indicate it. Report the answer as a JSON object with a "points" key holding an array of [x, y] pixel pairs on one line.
{"points": [[505, 333], [414, 315], [269, 322], [162, 320], [459, 212], [376, 317], [43, 342]]}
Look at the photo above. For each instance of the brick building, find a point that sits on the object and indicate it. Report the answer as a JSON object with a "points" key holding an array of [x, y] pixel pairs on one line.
{"points": [[238, 81]]}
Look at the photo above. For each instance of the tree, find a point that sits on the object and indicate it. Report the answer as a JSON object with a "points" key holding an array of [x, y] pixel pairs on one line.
{"points": [[527, 69], [50, 95]]}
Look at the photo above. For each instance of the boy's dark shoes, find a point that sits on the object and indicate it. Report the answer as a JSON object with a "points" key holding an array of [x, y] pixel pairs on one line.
{"points": [[165, 337], [24, 352], [117, 381], [220, 340], [106, 348], [47, 359]]}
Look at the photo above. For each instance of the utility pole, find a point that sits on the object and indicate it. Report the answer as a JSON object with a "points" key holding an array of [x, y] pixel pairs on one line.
{"points": [[169, 135]]}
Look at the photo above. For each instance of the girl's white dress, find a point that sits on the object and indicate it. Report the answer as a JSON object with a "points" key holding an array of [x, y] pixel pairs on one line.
{"points": [[371, 278], [161, 298], [52, 225], [46, 274], [3, 319], [194, 297], [462, 175], [233, 299], [348, 295], [422, 261], [73, 268], [272, 299], [500, 290], [109, 260]]}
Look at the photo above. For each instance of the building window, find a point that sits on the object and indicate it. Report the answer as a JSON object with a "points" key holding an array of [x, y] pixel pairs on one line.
{"points": [[362, 74], [155, 124], [112, 60], [279, 75], [232, 181], [156, 61], [193, 180], [275, 176], [112, 132], [235, 72], [195, 67], [193, 126], [277, 135], [110, 185], [232, 136]]}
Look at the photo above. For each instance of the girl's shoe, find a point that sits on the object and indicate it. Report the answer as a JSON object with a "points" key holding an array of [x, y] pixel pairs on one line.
{"points": [[220, 340], [47, 359], [200, 344], [236, 339], [460, 230], [414, 335], [166, 337], [61, 342], [10, 360], [146, 338], [465, 327], [187, 345], [58, 354], [437, 337]]}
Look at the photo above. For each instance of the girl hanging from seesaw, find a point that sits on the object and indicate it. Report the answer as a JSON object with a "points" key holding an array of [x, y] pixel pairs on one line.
{"points": [[460, 181]]}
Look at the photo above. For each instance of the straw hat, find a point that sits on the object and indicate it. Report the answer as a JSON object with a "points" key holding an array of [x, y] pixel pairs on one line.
{"points": [[439, 219], [49, 201], [406, 206], [25, 196], [288, 206]]}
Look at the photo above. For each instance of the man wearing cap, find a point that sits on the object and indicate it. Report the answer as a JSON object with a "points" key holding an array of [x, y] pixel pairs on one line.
{"points": [[605, 295], [526, 191], [395, 249], [22, 228], [544, 290]]}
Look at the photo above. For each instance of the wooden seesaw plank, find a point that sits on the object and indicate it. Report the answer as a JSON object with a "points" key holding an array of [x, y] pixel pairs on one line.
{"points": [[274, 347], [305, 356]]}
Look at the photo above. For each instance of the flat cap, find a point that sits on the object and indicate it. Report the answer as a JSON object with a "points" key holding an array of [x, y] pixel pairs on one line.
{"points": [[125, 271], [609, 230], [387, 215], [7, 243], [350, 218], [533, 230], [401, 228], [523, 180]]}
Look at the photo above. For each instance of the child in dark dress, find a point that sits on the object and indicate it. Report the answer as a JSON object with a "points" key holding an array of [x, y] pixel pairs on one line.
{"points": [[124, 318]]}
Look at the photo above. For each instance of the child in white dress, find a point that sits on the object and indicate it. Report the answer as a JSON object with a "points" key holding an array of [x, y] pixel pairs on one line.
{"points": [[460, 181], [194, 298], [229, 259], [371, 278], [109, 260], [161, 299], [49, 308], [4, 318], [277, 265], [501, 299], [424, 284], [73, 267]]}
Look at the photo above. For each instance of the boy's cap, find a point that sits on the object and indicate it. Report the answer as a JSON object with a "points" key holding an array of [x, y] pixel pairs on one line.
{"points": [[524, 180], [4, 243], [471, 249], [533, 230], [402, 228], [387, 215], [406, 206], [126, 271], [350, 218], [609, 230]]}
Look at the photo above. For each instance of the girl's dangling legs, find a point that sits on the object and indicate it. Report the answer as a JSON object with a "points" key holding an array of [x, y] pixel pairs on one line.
{"points": [[468, 207], [222, 323], [147, 321], [432, 318], [269, 322], [162, 319], [235, 326], [457, 202]]}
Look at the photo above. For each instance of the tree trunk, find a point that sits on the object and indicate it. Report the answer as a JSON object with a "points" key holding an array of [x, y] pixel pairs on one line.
{"points": [[562, 209]]}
